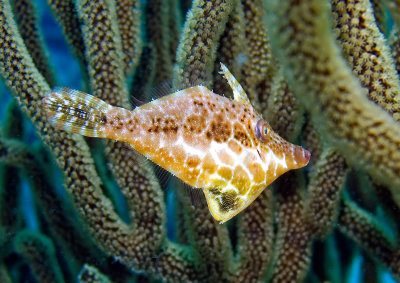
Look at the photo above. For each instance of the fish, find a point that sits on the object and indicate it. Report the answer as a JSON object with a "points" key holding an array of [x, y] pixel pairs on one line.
{"points": [[211, 142]]}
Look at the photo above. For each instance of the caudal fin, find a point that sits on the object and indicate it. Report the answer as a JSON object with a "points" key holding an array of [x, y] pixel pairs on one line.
{"points": [[76, 112]]}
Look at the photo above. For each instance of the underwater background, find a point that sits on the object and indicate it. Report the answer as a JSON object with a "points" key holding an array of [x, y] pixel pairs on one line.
{"points": [[323, 73]]}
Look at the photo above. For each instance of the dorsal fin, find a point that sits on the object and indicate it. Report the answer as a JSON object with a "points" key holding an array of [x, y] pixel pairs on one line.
{"points": [[160, 90], [152, 93], [238, 92]]}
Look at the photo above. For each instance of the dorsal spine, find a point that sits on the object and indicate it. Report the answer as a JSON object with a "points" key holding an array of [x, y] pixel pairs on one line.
{"points": [[77, 112]]}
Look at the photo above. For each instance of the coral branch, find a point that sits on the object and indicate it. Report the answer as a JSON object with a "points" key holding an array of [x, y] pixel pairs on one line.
{"points": [[128, 16], [104, 51], [293, 246], [366, 231], [231, 49], [158, 19], [90, 274], [327, 181], [368, 55], [39, 251], [29, 27], [67, 15], [327, 82], [257, 67], [255, 239], [358, 129], [197, 49]]}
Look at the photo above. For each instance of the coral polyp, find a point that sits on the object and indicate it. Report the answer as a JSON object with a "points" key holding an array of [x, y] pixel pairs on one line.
{"points": [[318, 74]]}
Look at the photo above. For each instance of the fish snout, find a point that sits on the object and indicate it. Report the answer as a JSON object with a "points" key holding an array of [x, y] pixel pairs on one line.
{"points": [[301, 157]]}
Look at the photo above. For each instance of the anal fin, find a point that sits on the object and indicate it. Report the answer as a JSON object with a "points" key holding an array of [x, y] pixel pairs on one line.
{"points": [[223, 205]]}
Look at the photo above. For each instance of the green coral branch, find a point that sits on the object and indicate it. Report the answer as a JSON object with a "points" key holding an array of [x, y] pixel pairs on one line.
{"points": [[258, 68], [255, 229], [367, 53], [68, 230], [67, 15], [39, 251], [208, 239], [231, 49], [128, 15], [273, 238], [158, 16], [104, 51], [90, 274], [327, 181], [196, 53], [10, 220], [293, 241], [366, 230], [29, 27], [361, 131]]}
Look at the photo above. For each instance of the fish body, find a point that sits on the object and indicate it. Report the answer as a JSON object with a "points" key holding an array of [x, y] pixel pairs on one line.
{"points": [[220, 145]]}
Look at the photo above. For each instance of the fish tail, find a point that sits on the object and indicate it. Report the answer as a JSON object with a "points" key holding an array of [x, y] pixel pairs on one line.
{"points": [[76, 112]]}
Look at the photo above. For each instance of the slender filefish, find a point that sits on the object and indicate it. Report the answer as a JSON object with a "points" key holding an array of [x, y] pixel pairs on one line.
{"points": [[220, 145]]}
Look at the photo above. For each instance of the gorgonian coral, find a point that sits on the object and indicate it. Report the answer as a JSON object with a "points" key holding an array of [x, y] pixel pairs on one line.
{"points": [[328, 80]]}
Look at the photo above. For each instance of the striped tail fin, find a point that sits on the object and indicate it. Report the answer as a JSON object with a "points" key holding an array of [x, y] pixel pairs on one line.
{"points": [[76, 112]]}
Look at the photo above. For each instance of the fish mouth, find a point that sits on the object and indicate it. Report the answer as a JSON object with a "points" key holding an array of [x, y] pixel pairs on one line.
{"points": [[301, 157]]}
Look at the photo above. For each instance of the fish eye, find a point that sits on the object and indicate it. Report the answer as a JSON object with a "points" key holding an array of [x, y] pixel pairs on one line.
{"points": [[262, 130]]}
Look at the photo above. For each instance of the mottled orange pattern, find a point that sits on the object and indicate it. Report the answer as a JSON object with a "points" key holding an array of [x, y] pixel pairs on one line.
{"points": [[208, 141]]}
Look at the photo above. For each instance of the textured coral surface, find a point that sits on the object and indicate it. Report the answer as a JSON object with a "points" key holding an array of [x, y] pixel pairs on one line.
{"points": [[324, 73]]}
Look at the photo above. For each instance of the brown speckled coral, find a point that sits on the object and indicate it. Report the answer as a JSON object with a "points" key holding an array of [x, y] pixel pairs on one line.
{"points": [[117, 194]]}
